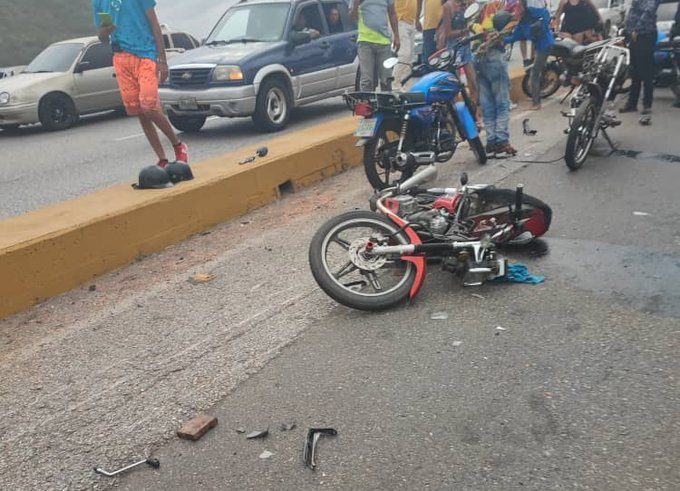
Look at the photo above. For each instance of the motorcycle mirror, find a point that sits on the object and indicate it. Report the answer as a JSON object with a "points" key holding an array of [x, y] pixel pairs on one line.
{"points": [[262, 151], [463, 179], [390, 63], [471, 11]]}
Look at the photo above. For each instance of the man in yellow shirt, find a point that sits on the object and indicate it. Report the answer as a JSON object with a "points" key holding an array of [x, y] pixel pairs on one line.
{"points": [[408, 15], [374, 40], [433, 16]]}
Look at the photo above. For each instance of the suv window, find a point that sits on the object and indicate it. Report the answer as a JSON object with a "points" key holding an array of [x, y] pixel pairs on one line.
{"points": [[308, 17], [182, 41], [99, 56], [166, 41], [337, 17], [259, 22]]}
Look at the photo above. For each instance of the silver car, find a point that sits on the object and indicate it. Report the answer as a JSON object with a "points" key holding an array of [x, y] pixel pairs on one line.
{"points": [[66, 80]]}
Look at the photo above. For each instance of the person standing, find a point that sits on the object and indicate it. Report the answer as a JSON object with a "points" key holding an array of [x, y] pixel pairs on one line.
{"points": [[140, 64], [433, 16], [408, 17], [641, 27], [374, 40], [581, 20], [493, 79]]}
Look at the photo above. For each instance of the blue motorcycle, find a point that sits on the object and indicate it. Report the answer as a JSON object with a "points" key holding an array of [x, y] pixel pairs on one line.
{"points": [[403, 131], [667, 62]]}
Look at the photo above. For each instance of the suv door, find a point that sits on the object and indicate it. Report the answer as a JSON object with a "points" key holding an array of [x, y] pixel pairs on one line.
{"points": [[95, 81], [343, 40], [310, 64]]}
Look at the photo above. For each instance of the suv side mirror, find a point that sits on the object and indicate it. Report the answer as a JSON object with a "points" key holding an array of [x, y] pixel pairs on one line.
{"points": [[299, 38], [83, 66]]}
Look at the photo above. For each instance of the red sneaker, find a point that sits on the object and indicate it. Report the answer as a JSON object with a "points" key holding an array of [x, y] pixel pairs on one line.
{"points": [[162, 163], [181, 152]]}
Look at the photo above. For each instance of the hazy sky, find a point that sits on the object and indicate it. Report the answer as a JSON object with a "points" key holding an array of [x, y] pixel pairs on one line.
{"points": [[194, 16]]}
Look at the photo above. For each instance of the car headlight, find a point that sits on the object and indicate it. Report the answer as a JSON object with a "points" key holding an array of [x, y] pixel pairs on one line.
{"points": [[4, 98], [227, 73]]}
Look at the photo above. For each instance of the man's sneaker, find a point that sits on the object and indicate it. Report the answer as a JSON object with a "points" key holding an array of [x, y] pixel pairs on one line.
{"points": [[181, 152], [162, 163], [646, 118], [628, 109], [491, 150], [505, 150]]}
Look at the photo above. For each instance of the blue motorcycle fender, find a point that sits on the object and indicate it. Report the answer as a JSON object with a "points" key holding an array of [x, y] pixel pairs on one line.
{"points": [[467, 121], [362, 142]]}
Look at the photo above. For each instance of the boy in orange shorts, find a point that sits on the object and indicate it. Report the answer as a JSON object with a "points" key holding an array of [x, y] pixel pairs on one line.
{"points": [[140, 64]]}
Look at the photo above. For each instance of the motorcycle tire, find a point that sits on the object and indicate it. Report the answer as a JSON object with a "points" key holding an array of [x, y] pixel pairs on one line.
{"points": [[496, 203], [581, 138], [387, 140], [477, 148], [550, 83], [357, 294]]}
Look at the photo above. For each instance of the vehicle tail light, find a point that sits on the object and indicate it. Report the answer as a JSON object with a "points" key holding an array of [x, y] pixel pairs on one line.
{"points": [[363, 109]]}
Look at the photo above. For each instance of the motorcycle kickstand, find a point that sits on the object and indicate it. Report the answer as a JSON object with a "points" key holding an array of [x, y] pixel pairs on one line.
{"points": [[609, 140]]}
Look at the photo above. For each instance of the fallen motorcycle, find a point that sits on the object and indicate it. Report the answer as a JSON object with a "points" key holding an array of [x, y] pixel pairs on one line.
{"points": [[373, 260]]}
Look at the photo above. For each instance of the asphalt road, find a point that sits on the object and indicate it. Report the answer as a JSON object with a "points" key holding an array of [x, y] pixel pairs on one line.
{"points": [[39, 168], [580, 391]]}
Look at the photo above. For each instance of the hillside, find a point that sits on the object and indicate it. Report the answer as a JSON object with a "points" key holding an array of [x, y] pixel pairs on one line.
{"points": [[27, 26]]}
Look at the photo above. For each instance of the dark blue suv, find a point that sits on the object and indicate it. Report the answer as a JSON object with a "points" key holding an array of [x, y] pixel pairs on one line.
{"points": [[262, 59]]}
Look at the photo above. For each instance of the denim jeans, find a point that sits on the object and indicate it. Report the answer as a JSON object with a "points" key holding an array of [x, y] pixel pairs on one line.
{"points": [[371, 58], [429, 43], [494, 95]]}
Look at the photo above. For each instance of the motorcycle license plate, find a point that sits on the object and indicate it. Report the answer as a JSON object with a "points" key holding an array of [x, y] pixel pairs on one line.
{"points": [[366, 128], [188, 104]]}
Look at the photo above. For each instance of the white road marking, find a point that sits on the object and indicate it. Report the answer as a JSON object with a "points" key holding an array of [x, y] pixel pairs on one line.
{"points": [[129, 137]]}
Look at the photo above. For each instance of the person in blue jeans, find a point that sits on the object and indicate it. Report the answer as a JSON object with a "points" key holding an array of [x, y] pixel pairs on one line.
{"points": [[498, 18]]}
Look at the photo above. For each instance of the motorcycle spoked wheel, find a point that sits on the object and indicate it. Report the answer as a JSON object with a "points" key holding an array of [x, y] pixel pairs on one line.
{"points": [[581, 135], [379, 153], [352, 279], [495, 203], [550, 83]]}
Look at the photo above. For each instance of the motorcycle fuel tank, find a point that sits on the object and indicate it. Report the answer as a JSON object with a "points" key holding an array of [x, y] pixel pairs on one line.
{"points": [[437, 86]]}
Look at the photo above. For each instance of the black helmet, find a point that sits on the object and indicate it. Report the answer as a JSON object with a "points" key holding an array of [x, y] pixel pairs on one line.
{"points": [[501, 19], [153, 177], [179, 171]]}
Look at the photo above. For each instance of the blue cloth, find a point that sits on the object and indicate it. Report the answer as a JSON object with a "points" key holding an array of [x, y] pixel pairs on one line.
{"points": [[494, 96], [642, 16], [133, 33], [519, 273], [543, 39]]}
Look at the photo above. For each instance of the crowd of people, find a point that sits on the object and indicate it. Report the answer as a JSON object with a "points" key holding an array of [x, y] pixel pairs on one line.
{"points": [[387, 26]]}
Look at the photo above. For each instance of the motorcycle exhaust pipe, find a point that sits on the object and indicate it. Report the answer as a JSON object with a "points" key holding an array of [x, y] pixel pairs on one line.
{"points": [[428, 173]]}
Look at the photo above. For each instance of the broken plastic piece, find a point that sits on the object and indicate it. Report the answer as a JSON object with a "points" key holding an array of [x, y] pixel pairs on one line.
{"points": [[257, 434], [439, 316], [287, 426], [313, 435], [266, 454]]}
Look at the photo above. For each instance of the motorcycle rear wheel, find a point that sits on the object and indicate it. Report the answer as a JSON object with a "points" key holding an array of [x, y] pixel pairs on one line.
{"points": [[581, 135], [379, 170], [550, 82], [356, 281]]}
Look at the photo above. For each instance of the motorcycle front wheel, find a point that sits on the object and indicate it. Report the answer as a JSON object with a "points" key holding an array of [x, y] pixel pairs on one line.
{"points": [[581, 135], [350, 277], [379, 156], [550, 82]]}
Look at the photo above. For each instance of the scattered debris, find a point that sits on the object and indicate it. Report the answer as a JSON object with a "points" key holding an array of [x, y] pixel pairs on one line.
{"points": [[287, 426], [195, 428], [257, 434], [313, 435], [477, 295], [150, 462], [266, 454], [240, 431], [640, 214], [93, 288], [500, 328], [200, 278], [527, 129], [439, 316], [260, 152], [457, 343], [203, 234]]}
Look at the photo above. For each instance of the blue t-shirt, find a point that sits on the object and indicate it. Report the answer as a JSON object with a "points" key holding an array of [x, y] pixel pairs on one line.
{"points": [[133, 33]]}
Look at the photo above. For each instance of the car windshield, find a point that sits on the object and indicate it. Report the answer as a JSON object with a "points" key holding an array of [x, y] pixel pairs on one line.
{"points": [[55, 58], [250, 23]]}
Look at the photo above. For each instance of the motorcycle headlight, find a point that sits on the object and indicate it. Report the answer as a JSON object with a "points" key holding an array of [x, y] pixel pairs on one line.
{"points": [[4, 98], [227, 73]]}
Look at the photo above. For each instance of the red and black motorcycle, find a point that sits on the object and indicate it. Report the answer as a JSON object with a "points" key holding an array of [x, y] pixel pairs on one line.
{"points": [[373, 260]]}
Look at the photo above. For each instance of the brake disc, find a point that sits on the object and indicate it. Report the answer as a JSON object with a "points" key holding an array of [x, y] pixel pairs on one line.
{"points": [[358, 256]]}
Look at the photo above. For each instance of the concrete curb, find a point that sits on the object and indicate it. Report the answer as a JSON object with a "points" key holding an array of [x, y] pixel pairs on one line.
{"points": [[52, 250]]}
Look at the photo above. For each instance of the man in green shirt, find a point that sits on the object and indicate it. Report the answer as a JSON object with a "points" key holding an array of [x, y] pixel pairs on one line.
{"points": [[374, 40]]}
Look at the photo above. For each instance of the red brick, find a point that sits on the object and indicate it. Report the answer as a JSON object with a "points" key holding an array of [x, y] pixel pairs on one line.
{"points": [[195, 428]]}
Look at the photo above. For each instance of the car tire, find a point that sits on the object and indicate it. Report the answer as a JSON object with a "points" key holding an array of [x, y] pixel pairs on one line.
{"points": [[187, 124], [273, 106], [9, 127], [57, 112]]}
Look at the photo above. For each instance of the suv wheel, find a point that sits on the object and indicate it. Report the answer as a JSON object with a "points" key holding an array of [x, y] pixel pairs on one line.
{"points": [[273, 106], [57, 112], [187, 124]]}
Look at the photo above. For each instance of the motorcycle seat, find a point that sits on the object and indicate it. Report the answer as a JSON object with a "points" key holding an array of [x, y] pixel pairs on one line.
{"points": [[414, 97], [567, 48]]}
